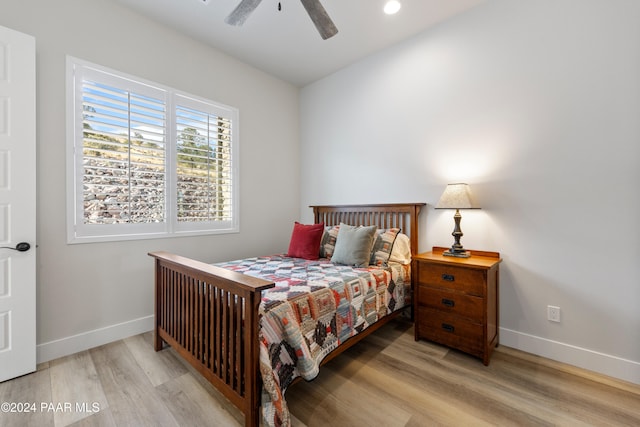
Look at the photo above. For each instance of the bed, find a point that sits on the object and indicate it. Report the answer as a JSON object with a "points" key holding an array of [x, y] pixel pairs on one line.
{"points": [[214, 315]]}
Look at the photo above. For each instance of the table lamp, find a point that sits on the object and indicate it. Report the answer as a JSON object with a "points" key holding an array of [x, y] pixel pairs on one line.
{"points": [[456, 196]]}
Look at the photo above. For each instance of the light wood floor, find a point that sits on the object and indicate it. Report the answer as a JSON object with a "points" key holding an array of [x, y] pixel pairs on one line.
{"points": [[386, 380]]}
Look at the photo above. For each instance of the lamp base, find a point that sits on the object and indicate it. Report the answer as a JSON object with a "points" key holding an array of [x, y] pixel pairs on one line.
{"points": [[461, 254]]}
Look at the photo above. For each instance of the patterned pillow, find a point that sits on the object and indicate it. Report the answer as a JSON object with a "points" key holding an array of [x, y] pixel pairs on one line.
{"points": [[382, 246], [328, 242]]}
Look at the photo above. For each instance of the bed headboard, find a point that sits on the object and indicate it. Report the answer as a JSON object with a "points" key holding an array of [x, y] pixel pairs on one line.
{"points": [[399, 215]]}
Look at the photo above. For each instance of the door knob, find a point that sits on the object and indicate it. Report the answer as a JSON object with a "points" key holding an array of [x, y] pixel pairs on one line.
{"points": [[20, 247]]}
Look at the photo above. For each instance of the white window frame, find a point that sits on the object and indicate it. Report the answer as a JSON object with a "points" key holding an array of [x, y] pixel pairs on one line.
{"points": [[77, 230]]}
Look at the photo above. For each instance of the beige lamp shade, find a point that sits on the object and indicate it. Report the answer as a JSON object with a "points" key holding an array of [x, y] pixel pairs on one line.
{"points": [[456, 196]]}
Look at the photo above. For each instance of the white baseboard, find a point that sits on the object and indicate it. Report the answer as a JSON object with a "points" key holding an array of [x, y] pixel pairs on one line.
{"points": [[606, 364], [86, 340]]}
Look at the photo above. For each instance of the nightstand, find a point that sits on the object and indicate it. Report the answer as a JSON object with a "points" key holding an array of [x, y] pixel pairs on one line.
{"points": [[456, 300]]}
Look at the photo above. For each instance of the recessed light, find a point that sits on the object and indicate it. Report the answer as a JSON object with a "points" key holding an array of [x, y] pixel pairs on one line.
{"points": [[392, 7]]}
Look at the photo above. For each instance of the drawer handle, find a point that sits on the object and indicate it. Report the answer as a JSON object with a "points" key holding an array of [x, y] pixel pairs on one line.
{"points": [[448, 277], [447, 327], [448, 302]]}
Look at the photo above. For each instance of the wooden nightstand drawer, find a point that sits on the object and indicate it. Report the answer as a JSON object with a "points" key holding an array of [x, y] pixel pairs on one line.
{"points": [[451, 330], [471, 307], [453, 277]]}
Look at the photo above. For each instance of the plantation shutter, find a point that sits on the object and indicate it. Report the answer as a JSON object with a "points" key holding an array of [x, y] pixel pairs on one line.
{"points": [[146, 161], [204, 162], [123, 154]]}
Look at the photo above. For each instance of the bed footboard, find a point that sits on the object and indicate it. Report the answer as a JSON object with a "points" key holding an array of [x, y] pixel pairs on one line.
{"points": [[210, 317]]}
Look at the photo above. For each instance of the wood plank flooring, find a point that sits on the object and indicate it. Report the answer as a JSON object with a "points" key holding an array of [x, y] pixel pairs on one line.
{"points": [[386, 380]]}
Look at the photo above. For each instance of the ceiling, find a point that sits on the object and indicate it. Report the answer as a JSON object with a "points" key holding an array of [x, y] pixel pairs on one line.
{"points": [[286, 44]]}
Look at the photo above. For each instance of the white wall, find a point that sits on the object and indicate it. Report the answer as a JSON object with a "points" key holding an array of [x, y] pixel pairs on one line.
{"points": [[91, 293], [536, 104]]}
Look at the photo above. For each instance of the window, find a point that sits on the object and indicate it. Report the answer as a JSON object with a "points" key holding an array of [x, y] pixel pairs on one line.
{"points": [[146, 160]]}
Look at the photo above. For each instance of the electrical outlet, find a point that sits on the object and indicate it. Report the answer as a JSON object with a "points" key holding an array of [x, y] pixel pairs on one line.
{"points": [[553, 313]]}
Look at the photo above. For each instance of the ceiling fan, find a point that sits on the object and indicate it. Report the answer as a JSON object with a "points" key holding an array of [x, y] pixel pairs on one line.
{"points": [[316, 12]]}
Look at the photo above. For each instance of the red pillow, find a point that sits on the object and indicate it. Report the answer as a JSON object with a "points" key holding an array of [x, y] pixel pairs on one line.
{"points": [[305, 241]]}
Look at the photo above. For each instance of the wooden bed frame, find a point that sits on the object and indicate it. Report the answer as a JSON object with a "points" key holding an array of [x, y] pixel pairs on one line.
{"points": [[209, 315]]}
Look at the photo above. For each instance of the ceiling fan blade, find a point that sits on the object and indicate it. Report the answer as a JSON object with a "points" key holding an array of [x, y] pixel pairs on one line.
{"points": [[320, 18], [242, 12]]}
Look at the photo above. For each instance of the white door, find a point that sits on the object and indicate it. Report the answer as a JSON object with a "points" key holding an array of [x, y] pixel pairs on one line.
{"points": [[17, 204]]}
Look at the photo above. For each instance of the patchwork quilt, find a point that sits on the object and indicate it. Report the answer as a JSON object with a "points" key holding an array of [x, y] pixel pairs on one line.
{"points": [[314, 306]]}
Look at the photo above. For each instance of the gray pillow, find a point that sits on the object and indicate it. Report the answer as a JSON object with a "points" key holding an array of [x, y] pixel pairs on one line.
{"points": [[353, 245]]}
